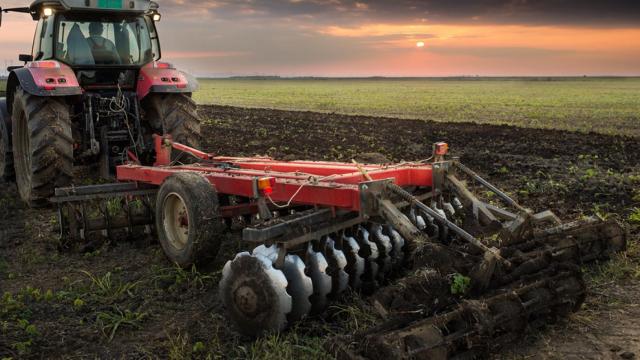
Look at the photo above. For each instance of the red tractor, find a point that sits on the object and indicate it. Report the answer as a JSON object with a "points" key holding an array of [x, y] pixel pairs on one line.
{"points": [[92, 92]]}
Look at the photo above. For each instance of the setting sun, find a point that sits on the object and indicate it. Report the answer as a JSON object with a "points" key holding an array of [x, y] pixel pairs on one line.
{"points": [[420, 44]]}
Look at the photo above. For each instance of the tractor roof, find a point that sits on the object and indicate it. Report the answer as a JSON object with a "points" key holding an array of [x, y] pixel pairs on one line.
{"points": [[110, 6]]}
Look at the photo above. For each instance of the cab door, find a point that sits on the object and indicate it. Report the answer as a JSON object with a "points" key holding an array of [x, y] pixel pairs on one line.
{"points": [[43, 39]]}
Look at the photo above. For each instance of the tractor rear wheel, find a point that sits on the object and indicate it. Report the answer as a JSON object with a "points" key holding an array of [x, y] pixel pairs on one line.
{"points": [[42, 146], [188, 220], [175, 115], [7, 173]]}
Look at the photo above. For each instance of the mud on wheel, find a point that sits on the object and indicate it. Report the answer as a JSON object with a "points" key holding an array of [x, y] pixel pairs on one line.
{"points": [[42, 146], [175, 115], [255, 294], [7, 172], [187, 219]]}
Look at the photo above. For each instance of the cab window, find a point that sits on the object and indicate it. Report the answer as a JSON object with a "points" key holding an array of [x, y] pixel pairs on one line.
{"points": [[35, 51], [104, 42], [43, 40]]}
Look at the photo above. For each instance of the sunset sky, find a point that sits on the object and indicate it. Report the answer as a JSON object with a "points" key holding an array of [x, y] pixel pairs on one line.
{"points": [[368, 38]]}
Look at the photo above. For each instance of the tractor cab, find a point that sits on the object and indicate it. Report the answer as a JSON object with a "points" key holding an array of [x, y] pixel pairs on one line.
{"points": [[105, 42]]}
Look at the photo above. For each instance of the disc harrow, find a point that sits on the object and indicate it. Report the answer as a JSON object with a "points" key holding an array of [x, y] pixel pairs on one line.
{"points": [[415, 302], [315, 276], [316, 229], [476, 327]]}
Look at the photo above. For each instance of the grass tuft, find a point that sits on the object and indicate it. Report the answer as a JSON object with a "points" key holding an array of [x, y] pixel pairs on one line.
{"points": [[107, 288], [110, 322]]}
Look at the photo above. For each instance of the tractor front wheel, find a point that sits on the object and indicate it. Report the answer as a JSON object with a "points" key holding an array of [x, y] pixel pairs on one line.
{"points": [[42, 146], [187, 219]]}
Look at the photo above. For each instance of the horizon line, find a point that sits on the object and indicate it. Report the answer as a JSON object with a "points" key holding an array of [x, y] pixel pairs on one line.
{"points": [[373, 77]]}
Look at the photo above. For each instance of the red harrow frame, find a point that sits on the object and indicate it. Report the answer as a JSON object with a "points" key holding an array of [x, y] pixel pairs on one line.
{"points": [[316, 228], [326, 184]]}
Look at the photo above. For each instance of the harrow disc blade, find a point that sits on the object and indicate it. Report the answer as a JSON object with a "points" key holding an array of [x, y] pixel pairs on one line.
{"points": [[355, 263], [255, 294], [300, 287], [417, 219], [443, 230], [424, 222], [369, 251], [270, 252], [337, 264], [449, 209], [397, 241], [432, 228], [317, 269], [385, 248]]}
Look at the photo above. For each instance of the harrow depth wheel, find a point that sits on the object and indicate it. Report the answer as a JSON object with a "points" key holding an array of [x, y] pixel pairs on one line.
{"points": [[187, 219]]}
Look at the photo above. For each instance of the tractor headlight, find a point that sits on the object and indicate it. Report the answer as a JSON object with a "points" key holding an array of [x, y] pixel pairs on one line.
{"points": [[46, 12], [156, 17]]}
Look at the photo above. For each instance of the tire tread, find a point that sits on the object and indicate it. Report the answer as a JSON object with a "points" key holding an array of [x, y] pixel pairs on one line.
{"points": [[51, 147]]}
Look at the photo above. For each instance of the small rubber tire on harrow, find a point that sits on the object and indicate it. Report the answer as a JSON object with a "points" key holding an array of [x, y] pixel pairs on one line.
{"points": [[42, 146], [7, 172], [188, 220], [175, 115]]}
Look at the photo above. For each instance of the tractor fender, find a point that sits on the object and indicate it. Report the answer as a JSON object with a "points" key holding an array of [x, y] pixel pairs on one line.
{"points": [[5, 122], [56, 79], [159, 77]]}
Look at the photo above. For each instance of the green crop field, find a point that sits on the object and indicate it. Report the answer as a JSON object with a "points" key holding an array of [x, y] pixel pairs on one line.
{"points": [[609, 106]]}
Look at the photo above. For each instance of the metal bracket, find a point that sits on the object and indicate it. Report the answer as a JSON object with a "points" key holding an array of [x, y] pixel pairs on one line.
{"points": [[263, 209], [261, 235], [370, 194]]}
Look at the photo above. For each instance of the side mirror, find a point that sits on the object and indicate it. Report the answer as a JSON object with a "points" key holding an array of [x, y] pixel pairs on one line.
{"points": [[25, 57]]}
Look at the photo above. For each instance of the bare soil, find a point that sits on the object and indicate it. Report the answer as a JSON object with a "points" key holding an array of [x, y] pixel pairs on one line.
{"points": [[159, 311]]}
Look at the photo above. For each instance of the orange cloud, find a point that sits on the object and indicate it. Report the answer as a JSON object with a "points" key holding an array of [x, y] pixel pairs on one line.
{"points": [[200, 54], [547, 37]]}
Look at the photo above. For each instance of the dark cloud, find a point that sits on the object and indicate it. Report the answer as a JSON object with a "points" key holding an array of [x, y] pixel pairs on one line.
{"points": [[341, 37], [557, 12], [376, 37]]}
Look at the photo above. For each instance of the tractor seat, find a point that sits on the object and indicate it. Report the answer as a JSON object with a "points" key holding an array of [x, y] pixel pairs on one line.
{"points": [[78, 50]]}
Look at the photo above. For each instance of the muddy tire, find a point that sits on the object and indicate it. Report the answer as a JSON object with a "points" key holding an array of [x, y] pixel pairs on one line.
{"points": [[7, 173], [42, 146], [188, 221], [175, 115]]}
